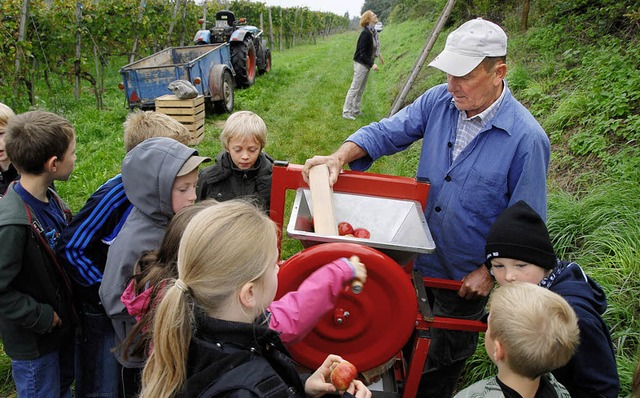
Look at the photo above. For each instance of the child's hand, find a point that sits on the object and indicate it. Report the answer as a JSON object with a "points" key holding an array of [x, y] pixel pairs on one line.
{"points": [[361, 270], [359, 390], [319, 384], [55, 323]]}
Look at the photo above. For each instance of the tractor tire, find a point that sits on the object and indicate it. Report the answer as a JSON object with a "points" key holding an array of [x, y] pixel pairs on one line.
{"points": [[267, 66], [243, 58], [226, 104]]}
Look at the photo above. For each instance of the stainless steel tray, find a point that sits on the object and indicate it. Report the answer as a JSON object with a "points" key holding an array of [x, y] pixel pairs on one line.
{"points": [[398, 227]]}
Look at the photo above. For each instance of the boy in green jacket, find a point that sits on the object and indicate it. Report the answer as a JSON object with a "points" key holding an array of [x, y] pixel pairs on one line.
{"points": [[37, 318]]}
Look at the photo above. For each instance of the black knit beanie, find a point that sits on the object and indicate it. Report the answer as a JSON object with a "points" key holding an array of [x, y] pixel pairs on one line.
{"points": [[519, 233]]}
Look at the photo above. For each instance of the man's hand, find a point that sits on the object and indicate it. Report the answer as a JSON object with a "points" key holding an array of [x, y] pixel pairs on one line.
{"points": [[476, 284], [348, 152], [333, 163], [374, 67]]}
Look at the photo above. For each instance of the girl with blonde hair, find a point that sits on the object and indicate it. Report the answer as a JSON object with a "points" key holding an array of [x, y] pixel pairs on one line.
{"points": [[210, 330]]}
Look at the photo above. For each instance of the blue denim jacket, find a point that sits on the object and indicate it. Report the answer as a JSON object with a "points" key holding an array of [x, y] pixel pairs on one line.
{"points": [[505, 163]]}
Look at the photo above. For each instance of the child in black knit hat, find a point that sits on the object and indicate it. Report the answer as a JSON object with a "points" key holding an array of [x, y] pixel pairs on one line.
{"points": [[519, 249]]}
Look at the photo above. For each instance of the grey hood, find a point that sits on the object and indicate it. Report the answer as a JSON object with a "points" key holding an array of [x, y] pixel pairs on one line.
{"points": [[148, 172]]}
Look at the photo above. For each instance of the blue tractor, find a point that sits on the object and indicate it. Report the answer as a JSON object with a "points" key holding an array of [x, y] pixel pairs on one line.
{"points": [[249, 51]]}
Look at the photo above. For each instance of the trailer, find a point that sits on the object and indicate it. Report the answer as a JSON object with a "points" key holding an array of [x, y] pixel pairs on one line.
{"points": [[208, 67]]}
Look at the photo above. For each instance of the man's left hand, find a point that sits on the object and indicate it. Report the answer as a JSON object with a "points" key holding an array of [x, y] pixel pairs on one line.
{"points": [[476, 284]]}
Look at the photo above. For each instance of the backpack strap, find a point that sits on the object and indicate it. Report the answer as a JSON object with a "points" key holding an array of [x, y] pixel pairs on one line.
{"points": [[68, 215], [38, 233]]}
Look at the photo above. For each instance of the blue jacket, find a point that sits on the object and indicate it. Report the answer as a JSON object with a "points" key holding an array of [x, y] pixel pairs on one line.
{"points": [[505, 163], [592, 371], [82, 246]]}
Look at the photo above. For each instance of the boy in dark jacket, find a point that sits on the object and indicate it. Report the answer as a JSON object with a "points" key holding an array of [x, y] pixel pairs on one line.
{"points": [[242, 169], [37, 318], [519, 248]]}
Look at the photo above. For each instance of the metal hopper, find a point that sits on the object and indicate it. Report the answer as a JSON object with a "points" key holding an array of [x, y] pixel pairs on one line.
{"points": [[398, 227]]}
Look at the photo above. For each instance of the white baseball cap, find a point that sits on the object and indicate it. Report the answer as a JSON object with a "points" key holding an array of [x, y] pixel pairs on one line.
{"points": [[468, 45], [191, 164]]}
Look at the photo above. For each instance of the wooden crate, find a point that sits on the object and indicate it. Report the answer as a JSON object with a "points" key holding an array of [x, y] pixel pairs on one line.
{"points": [[189, 112]]}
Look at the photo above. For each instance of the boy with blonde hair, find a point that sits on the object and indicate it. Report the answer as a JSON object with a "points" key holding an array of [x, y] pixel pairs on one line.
{"points": [[530, 332], [242, 169], [141, 125], [82, 250], [8, 172], [37, 318]]}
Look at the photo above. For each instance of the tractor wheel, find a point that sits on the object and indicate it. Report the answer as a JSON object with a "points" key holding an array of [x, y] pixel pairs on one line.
{"points": [[226, 104], [243, 58], [267, 66]]}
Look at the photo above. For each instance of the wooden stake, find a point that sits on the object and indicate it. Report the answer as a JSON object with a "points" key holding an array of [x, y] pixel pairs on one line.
{"points": [[322, 201]]}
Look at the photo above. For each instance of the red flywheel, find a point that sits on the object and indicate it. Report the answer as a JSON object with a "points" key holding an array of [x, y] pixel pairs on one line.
{"points": [[367, 329]]}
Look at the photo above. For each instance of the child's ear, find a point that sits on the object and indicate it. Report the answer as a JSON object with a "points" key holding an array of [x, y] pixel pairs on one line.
{"points": [[248, 295], [499, 353], [51, 164]]}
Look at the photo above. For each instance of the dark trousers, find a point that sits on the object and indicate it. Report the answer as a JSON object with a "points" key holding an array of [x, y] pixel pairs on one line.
{"points": [[449, 349], [97, 370], [131, 382]]}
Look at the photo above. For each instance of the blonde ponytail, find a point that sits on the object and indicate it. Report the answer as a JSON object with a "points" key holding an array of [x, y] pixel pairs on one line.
{"points": [[166, 369]]}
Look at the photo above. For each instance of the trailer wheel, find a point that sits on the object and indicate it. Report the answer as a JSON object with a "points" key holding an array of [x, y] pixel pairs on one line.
{"points": [[267, 66], [243, 58], [225, 105]]}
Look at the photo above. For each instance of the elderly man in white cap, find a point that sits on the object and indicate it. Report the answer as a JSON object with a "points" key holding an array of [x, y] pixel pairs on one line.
{"points": [[482, 151]]}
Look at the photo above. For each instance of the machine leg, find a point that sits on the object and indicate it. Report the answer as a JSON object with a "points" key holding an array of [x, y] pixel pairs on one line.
{"points": [[416, 367]]}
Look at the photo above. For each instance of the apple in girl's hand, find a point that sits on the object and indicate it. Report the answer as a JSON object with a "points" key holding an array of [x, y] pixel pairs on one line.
{"points": [[344, 228], [361, 233], [343, 374]]}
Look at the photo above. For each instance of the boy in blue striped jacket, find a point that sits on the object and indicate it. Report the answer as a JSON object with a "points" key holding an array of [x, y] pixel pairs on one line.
{"points": [[82, 251]]}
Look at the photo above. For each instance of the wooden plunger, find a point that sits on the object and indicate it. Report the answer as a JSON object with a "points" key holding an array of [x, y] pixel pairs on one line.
{"points": [[323, 209]]}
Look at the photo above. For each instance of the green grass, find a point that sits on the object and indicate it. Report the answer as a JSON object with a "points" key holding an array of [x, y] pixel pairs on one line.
{"points": [[594, 203]]}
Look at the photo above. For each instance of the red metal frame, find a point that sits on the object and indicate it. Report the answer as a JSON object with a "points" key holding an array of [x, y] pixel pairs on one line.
{"points": [[289, 177]]}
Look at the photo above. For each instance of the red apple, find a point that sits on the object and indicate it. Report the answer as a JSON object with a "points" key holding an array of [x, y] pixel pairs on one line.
{"points": [[343, 374], [361, 233], [344, 228], [304, 224]]}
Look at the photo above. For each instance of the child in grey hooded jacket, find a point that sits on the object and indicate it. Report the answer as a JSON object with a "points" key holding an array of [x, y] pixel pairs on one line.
{"points": [[159, 177]]}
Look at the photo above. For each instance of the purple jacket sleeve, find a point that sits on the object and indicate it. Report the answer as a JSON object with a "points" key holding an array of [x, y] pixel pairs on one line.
{"points": [[297, 312]]}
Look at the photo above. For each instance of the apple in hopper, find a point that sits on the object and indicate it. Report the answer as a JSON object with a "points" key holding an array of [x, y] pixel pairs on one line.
{"points": [[362, 233], [344, 229], [343, 374]]}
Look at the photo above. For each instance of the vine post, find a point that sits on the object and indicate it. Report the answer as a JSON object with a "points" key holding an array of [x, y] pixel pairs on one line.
{"points": [[19, 48], [270, 29], [281, 23], [134, 48], [76, 62]]}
